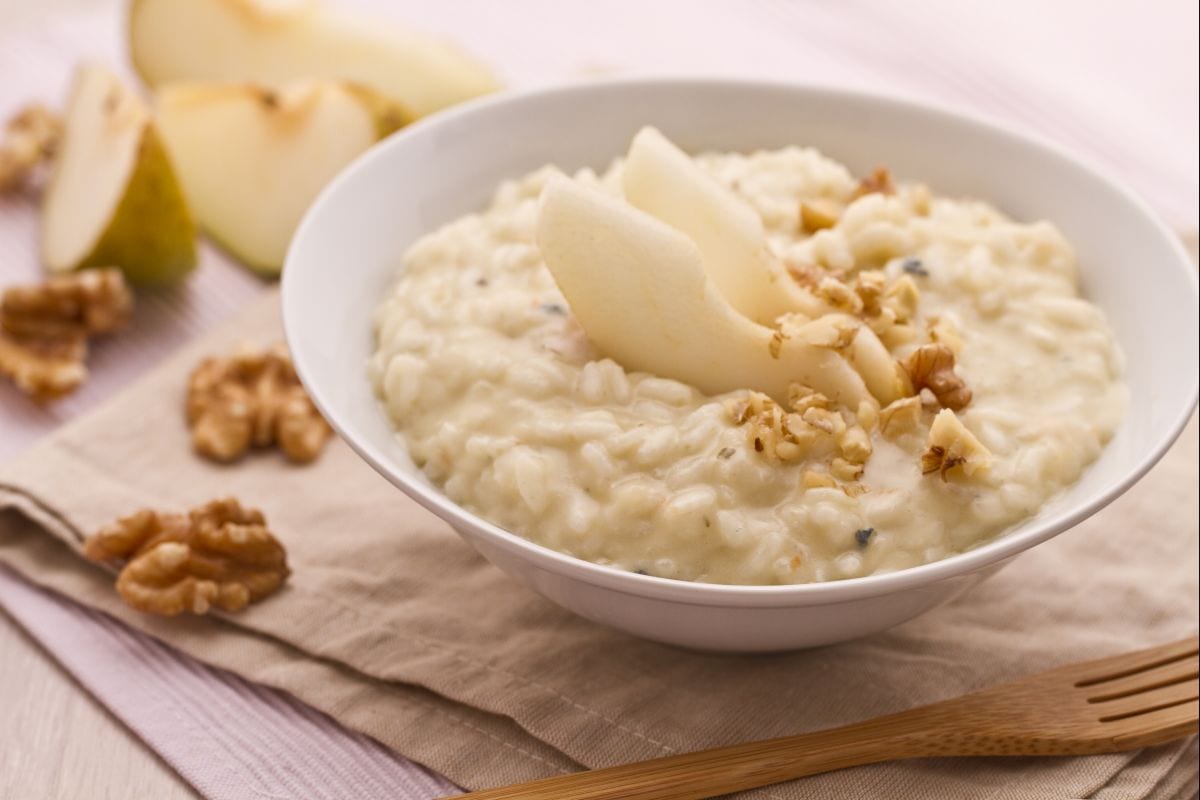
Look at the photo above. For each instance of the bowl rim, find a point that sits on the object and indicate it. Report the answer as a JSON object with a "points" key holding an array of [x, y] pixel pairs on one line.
{"points": [[468, 524]]}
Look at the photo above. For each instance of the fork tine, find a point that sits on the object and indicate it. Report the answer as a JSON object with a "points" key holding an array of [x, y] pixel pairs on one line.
{"points": [[1155, 727], [1144, 702], [1107, 669], [1185, 669]]}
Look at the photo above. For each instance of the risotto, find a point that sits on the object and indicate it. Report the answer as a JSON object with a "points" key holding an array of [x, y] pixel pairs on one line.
{"points": [[1008, 386]]}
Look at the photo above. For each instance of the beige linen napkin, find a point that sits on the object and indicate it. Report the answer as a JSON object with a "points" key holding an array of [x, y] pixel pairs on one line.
{"points": [[395, 627]]}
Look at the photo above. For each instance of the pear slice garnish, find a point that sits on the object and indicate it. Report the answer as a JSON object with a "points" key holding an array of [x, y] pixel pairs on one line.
{"points": [[664, 181], [640, 290]]}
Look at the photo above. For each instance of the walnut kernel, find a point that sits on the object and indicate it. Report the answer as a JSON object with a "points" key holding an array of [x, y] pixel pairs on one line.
{"points": [[819, 213], [44, 369], [870, 285], [855, 445], [811, 479], [834, 331], [846, 470], [44, 328], [879, 181], [86, 303], [951, 446], [931, 367], [839, 295], [217, 555], [30, 138], [902, 298], [252, 399]]}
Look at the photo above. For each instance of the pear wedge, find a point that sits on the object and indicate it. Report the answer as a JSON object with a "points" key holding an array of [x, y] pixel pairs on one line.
{"points": [[664, 181], [252, 159], [113, 198], [283, 41], [639, 289]]}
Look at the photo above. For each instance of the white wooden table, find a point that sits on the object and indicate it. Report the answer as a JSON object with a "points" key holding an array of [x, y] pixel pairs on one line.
{"points": [[57, 742]]}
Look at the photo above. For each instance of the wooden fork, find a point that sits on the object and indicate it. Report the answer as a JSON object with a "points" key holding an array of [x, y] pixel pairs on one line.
{"points": [[1119, 703]]}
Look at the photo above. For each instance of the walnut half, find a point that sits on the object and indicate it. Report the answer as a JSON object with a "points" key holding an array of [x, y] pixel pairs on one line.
{"points": [[217, 555], [931, 367], [86, 303], [30, 138], [253, 398], [44, 328]]}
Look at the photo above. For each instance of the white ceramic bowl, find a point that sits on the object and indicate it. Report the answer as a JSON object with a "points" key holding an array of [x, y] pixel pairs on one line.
{"points": [[347, 250]]}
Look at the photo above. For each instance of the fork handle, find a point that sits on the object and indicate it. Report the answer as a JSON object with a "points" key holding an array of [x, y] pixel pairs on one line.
{"points": [[708, 773]]}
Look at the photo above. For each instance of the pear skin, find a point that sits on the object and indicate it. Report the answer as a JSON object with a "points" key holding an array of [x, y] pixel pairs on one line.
{"points": [[148, 252]]}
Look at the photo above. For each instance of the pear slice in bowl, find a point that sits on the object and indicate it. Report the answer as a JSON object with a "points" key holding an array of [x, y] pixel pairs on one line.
{"points": [[113, 197], [639, 289], [664, 181], [251, 158]]}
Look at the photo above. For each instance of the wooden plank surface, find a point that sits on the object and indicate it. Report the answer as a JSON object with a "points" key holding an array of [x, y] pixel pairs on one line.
{"points": [[57, 742]]}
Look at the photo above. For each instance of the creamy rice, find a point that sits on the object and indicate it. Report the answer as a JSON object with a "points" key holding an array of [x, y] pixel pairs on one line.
{"points": [[505, 404]]}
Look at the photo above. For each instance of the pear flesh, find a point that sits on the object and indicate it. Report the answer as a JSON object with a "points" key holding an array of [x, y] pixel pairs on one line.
{"points": [[252, 160], [639, 289], [113, 198], [664, 181], [260, 41]]}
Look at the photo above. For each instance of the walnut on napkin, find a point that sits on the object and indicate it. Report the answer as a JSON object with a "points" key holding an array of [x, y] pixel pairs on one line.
{"points": [[220, 554], [253, 398], [30, 138], [44, 328]]}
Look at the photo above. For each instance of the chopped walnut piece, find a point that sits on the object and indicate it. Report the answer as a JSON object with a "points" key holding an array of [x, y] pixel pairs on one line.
{"points": [[870, 285], [801, 398], [846, 470], [44, 328], [811, 479], [879, 181], [809, 275], [253, 398], [839, 295], [834, 331], [819, 213], [824, 420], [931, 367], [30, 138], [855, 445], [900, 417], [951, 446], [854, 489], [217, 555], [902, 298], [787, 436]]}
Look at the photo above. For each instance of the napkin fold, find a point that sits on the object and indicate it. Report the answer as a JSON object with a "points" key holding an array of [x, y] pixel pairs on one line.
{"points": [[396, 628]]}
